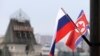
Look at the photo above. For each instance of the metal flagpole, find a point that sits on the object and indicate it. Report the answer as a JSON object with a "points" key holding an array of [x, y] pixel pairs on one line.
{"points": [[73, 54]]}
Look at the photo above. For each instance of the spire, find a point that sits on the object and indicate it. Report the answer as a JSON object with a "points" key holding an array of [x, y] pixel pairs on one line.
{"points": [[20, 15]]}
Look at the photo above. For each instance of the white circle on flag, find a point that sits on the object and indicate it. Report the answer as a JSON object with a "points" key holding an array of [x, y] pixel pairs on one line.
{"points": [[81, 26]]}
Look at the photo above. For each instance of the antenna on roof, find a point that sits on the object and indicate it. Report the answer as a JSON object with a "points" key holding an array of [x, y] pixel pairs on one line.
{"points": [[20, 15]]}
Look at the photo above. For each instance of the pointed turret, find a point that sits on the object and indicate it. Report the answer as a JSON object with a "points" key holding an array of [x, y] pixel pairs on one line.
{"points": [[19, 29]]}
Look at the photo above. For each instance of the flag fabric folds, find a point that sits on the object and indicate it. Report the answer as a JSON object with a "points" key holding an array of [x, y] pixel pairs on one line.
{"points": [[64, 26], [75, 36]]}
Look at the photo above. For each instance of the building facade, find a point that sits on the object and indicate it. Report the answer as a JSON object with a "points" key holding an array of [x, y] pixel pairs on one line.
{"points": [[19, 39]]}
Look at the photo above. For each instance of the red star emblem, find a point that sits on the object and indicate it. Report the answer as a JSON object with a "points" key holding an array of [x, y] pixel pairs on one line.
{"points": [[80, 26]]}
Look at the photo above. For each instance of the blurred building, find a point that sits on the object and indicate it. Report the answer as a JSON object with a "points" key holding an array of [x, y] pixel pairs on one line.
{"points": [[19, 39], [45, 50], [43, 39]]}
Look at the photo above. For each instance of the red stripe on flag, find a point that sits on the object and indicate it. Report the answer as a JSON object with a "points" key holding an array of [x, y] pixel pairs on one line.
{"points": [[64, 30], [75, 34], [71, 41]]}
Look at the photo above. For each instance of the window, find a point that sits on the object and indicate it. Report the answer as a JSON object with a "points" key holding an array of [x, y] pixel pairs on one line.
{"points": [[18, 35], [28, 35], [23, 35]]}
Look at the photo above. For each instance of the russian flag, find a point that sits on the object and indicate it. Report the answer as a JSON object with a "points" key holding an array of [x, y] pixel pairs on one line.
{"points": [[75, 36], [64, 26]]}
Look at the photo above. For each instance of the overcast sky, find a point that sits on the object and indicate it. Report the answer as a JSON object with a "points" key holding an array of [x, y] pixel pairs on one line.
{"points": [[42, 13]]}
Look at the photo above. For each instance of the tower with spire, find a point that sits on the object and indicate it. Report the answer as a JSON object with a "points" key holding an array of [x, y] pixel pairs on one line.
{"points": [[19, 39], [20, 29]]}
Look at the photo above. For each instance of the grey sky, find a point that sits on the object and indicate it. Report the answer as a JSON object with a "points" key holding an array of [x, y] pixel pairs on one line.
{"points": [[42, 13]]}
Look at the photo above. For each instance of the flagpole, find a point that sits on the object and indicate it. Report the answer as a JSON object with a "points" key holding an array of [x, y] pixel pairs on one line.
{"points": [[73, 54], [84, 37], [72, 21]]}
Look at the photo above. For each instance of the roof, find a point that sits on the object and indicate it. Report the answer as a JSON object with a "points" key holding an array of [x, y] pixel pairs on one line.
{"points": [[20, 15]]}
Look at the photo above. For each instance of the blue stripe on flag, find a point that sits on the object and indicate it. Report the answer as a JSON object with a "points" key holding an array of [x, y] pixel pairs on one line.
{"points": [[80, 14], [63, 21], [78, 41], [88, 27], [52, 49], [80, 38]]}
